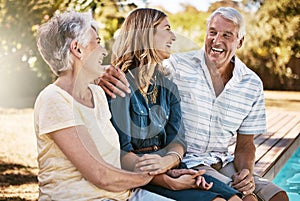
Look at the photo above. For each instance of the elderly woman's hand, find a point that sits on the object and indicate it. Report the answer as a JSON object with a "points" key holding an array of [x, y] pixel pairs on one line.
{"points": [[155, 164], [175, 173]]}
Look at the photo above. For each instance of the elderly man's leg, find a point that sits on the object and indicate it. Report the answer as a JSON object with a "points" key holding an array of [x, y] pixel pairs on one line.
{"points": [[251, 197], [265, 190], [280, 196]]}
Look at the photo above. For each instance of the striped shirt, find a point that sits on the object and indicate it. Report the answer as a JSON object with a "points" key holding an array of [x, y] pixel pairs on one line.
{"points": [[211, 122]]}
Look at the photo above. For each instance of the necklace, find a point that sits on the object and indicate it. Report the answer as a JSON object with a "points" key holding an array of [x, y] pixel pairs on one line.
{"points": [[151, 96]]}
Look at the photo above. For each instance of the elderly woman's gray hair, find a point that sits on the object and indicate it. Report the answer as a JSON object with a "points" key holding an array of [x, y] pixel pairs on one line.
{"points": [[55, 36], [232, 15]]}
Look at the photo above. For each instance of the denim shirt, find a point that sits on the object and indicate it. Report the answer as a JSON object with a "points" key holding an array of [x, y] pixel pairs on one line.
{"points": [[140, 124]]}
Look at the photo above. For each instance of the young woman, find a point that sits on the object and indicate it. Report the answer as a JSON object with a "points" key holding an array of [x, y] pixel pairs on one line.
{"points": [[149, 119], [78, 148]]}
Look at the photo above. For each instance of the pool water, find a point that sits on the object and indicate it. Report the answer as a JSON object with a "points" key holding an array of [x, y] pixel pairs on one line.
{"points": [[288, 178]]}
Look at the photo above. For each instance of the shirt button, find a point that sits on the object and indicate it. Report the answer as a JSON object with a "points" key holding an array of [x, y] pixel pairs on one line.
{"points": [[159, 125], [142, 112]]}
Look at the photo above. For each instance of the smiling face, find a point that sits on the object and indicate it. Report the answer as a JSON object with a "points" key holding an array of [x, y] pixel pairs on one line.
{"points": [[221, 41], [163, 39], [94, 54]]}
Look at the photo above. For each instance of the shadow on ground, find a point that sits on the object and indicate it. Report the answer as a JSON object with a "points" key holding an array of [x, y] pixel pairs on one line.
{"points": [[13, 176], [12, 199]]}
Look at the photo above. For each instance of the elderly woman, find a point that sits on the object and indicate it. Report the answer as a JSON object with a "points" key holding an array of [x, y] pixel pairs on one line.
{"points": [[149, 119], [78, 148]]}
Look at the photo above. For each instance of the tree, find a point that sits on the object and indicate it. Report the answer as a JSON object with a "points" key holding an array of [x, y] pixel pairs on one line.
{"points": [[273, 44], [18, 22], [18, 53], [190, 28], [224, 3]]}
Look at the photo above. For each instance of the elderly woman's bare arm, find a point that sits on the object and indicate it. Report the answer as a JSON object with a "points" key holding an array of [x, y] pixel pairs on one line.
{"points": [[114, 82], [79, 148]]}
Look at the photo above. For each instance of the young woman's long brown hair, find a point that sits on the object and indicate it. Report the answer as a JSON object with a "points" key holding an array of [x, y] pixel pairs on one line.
{"points": [[133, 48]]}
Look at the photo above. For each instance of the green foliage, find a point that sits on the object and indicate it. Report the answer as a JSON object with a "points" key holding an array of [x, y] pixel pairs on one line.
{"points": [[18, 23], [224, 3], [190, 27], [273, 40], [19, 57]]}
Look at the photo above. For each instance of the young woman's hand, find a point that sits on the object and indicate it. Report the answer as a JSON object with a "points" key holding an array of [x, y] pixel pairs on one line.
{"points": [[188, 181], [202, 184]]}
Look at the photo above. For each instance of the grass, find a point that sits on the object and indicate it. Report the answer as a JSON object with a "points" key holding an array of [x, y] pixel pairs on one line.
{"points": [[18, 166]]}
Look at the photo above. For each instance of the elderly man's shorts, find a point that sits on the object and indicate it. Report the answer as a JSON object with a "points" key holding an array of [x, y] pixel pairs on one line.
{"points": [[264, 189]]}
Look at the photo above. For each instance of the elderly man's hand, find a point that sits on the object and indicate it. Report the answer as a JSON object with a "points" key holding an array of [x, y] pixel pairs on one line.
{"points": [[243, 181], [113, 82]]}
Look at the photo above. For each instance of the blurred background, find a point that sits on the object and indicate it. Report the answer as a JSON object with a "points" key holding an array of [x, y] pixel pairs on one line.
{"points": [[271, 45]]}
